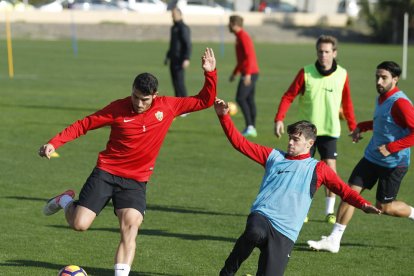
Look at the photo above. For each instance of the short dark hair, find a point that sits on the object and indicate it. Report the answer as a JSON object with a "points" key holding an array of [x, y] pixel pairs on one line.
{"points": [[236, 20], [327, 39], [303, 127], [391, 67], [146, 83]]}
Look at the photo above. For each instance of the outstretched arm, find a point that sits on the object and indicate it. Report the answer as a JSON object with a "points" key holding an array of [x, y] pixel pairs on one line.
{"points": [[252, 150], [205, 98], [335, 184], [294, 90]]}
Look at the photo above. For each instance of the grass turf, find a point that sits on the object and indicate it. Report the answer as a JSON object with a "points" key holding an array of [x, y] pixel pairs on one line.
{"points": [[201, 190]]}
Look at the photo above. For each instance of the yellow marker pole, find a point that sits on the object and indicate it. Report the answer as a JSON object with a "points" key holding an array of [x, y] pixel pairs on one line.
{"points": [[9, 46]]}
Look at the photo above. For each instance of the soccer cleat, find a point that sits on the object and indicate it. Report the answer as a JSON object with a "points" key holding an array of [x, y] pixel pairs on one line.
{"points": [[325, 244], [52, 205], [330, 218], [249, 131]]}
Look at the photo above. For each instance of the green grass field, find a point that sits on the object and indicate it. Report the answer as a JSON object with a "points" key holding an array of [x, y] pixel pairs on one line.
{"points": [[201, 191]]}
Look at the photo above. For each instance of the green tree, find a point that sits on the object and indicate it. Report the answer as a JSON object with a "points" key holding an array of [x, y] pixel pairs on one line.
{"points": [[386, 18]]}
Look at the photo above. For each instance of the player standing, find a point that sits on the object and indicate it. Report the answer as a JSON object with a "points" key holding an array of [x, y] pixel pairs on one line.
{"points": [[321, 88]]}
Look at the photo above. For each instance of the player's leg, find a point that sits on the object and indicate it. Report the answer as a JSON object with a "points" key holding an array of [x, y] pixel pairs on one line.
{"points": [[79, 218], [241, 99], [388, 187], [93, 197], [129, 202], [364, 176], [254, 235], [177, 77], [275, 254], [130, 220], [328, 151], [251, 99]]}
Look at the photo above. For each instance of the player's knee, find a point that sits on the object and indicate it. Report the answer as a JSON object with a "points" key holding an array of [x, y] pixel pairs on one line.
{"points": [[255, 234], [80, 224], [386, 208]]}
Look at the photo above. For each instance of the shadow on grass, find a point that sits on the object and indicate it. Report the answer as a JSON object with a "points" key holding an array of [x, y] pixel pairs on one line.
{"points": [[159, 233], [173, 209], [305, 246], [185, 210], [26, 198], [90, 270], [52, 107]]}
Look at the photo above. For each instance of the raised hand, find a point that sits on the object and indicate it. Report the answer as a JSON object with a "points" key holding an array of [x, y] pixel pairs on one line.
{"points": [[208, 61], [221, 107]]}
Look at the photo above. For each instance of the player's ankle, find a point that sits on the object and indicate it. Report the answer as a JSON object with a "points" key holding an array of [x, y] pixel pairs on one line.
{"points": [[122, 269]]}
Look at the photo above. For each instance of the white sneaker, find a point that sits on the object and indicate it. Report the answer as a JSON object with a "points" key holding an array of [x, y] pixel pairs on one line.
{"points": [[52, 205], [325, 244]]}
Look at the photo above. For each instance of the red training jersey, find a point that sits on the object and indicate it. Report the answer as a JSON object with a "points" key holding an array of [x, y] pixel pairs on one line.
{"points": [[298, 87], [136, 138], [402, 112], [245, 54], [325, 175]]}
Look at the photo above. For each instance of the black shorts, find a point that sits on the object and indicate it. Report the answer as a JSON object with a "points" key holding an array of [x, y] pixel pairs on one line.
{"points": [[102, 186], [366, 174], [326, 146]]}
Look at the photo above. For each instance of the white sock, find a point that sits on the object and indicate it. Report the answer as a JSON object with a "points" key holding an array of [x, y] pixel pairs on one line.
{"points": [[64, 201], [411, 216], [122, 269], [330, 205], [337, 232]]}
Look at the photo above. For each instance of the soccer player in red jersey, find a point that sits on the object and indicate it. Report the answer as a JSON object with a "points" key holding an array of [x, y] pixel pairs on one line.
{"points": [[139, 124], [248, 68]]}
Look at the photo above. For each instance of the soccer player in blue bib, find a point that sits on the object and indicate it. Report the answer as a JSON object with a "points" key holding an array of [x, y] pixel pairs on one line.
{"points": [[290, 181], [386, 157]]}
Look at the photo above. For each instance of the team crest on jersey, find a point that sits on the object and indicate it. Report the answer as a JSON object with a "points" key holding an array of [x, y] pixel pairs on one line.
{"points": [[159, 115]]}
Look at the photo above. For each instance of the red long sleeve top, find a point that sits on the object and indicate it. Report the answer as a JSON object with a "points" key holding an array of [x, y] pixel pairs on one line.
{"points": [[298, 87], [136, 138], [245, 54], [402, 113], [258, 153]]}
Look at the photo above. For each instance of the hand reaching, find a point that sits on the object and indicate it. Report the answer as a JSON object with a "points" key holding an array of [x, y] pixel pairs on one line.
{"points": [[356, 135], [221, 107], [369, 209], [208, 61]]}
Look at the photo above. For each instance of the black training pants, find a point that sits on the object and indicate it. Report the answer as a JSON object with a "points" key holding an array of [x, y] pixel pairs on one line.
{"points": [[245, 99], [274, 248], [177, 76]]}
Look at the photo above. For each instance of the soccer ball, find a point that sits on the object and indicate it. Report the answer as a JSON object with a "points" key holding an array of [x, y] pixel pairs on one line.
{"points": [[232, 108], [72, 270]]}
